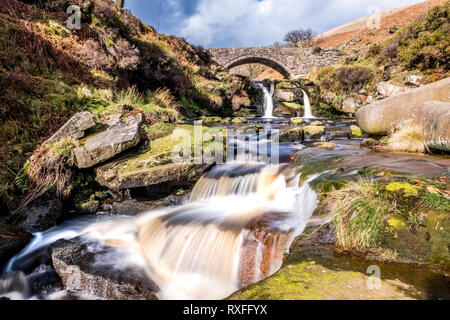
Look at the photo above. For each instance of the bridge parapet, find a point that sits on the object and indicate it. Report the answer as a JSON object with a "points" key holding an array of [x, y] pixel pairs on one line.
{"points": [[290, 62]]}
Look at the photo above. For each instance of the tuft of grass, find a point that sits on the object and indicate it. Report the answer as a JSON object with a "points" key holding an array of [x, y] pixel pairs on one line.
{"points": [[130, 96], [159, 104], [360, 215], [49, 167], [164, 98], [409, 138]]}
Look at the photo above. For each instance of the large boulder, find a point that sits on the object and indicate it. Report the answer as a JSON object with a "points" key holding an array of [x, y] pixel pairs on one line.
{"points": [[434, 117], [156, 166], [12, 240], [109, 143], [89, 268], [379, 117], [75, 127]]}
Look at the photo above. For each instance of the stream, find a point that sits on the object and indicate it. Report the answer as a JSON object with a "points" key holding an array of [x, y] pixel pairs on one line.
{"points": [[233, 230]]}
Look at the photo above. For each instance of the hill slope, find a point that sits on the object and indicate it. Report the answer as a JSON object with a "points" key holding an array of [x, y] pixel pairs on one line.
{"points": [[48, 73], [390, 19]]}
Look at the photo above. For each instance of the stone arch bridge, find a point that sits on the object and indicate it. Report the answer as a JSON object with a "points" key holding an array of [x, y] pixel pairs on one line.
{"points": [[290, 62]]}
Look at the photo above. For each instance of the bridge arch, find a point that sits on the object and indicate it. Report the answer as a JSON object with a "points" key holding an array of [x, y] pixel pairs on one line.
{"points": [[265, 60]]}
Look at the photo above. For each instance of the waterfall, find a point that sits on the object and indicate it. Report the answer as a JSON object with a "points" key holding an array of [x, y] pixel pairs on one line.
{"points": [[240, 219], [212, 246], [308, 113], [268, 99]]}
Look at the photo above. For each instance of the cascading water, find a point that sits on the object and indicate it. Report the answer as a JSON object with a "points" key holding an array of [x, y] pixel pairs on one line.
{"points": [[308, 112], [268, 98], [233, 231], [213, 245]]}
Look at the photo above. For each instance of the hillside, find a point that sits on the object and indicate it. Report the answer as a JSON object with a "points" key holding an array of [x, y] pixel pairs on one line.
{"points": [[48, 73], [391, 20], [415, 55]]}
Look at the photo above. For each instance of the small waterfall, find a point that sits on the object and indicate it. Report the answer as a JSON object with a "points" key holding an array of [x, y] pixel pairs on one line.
{"points": [[238, 179], [240, 219], [268, 98], [214, 245], [308, 113]]}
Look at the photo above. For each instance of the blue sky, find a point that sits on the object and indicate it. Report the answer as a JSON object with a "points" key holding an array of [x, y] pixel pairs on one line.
{"points": [[237, 23]]}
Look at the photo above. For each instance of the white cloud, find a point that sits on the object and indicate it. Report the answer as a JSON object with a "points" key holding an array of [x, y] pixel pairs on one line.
{"points": [[231, 23]]}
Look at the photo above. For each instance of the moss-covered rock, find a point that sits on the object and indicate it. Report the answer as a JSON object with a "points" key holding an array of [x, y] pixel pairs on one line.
{"points": [[355, 132], [407, 189], [212, 120], [90, 206], [297, 121], [426, 243], [288, 109], [314, 132], [239, 120], [317, 272], [158, 164], [291, 135]]}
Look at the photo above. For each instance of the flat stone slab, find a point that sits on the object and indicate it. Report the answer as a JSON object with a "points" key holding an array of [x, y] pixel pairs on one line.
{"points": [[75, 127], [116, 176], [109, 143], [95, 270]]}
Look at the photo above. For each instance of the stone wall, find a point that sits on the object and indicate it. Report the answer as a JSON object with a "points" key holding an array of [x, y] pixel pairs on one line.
{"points": [[291, 62]]}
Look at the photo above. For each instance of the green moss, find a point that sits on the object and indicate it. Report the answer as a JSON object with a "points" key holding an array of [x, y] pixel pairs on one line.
{"points": [[297, 120], [161, 149], [326, 145], [159, 130], [397, 223], [90, 206], [109, 42], [426, 243], [316, 272], [239, 120], [314, 131], [408, 189], [94, 20], [212, 119], [355, 132], [292, 105]]}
